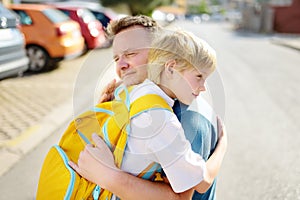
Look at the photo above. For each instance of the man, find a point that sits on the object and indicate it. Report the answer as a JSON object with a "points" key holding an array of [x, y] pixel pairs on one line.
{"points": [[130, 49]]}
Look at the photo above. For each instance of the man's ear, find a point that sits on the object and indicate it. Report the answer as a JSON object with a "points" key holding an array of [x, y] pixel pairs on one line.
{"points": [[169, 66]]}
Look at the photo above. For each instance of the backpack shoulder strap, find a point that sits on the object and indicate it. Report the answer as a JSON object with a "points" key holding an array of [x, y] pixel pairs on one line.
{"points": [[141, 104], [148, 102]]}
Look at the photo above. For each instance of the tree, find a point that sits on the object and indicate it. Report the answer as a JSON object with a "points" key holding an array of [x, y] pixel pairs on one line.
{"points": [[203, 7], [138, 6]]}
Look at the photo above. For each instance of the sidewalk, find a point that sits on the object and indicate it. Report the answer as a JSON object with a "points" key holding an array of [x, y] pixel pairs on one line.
{"points": [[37, 105], [288, 40], [33, 107]]}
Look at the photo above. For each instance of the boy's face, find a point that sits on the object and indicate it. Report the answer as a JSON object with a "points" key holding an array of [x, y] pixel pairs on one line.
{"points": [[130, 51], [192, 82]]}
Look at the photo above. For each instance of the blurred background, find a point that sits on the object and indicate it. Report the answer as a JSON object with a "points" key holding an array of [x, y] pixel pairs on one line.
{"points": [[55, 56]]}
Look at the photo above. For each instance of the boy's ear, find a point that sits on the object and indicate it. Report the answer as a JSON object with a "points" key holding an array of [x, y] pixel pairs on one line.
{"points": [[169, 66]]}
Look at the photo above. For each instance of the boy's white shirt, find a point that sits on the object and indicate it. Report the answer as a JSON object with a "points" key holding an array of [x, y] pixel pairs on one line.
{"points": [[157, 136]]}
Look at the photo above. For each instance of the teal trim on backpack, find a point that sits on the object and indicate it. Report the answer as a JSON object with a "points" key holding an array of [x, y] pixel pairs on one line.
{"points": [[117, 96], [95, 109], [105, 135], [72, 172], [86, 140], [96, 192], [150, 172], [128, 129]]}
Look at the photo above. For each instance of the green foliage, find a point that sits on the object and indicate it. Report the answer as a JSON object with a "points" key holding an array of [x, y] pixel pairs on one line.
{"points": [[193, 10], [109, 2], [215, 2], [138, 6], [202, 8]]}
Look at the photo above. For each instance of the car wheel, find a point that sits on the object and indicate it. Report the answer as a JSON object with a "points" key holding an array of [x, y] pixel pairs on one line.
{"points": [[38, 57], [85, 48]]}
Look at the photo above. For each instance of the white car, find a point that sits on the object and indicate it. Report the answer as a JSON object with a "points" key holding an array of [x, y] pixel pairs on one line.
{"points": [[13, 59], [163, 17]]}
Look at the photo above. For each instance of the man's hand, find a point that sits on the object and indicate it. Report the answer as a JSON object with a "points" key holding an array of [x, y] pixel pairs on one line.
{"points": [[95, 163], [108, 92]]}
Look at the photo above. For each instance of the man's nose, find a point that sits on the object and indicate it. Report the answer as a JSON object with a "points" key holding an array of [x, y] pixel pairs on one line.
{"points": [[122, 63]]}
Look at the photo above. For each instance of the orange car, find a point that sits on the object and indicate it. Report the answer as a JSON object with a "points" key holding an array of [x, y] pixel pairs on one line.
{"points": [[50, 35]]}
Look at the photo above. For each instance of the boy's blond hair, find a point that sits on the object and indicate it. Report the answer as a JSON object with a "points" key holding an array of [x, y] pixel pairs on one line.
{"points": [[184, 47]]}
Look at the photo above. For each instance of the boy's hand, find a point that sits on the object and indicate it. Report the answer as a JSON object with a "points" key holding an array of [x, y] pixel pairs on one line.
{"points": [[222, 133], [108, 92], [95, 163]]}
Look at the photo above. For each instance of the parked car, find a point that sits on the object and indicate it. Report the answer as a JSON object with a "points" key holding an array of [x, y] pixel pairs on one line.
{"points": [[91, 29], [102, 14], [105, 16], [163, 17], [13, 59], [50, 35]]}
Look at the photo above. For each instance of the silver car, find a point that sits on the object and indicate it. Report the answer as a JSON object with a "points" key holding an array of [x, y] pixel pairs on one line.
{"points": [[13, 59]]}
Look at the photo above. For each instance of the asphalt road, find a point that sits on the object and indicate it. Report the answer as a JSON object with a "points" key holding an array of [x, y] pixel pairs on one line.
{"points": [[255, 90], [261, 114]]}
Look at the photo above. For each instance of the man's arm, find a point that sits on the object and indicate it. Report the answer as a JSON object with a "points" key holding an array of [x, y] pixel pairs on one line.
{"points": [[102, 171], [107, 93], [97, 165]]}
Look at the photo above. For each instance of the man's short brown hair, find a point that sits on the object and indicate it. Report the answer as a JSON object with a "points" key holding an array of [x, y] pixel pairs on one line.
{"points": [[119, 25]]}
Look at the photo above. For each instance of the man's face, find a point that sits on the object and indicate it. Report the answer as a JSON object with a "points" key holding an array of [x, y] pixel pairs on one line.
{"points": [[130, 51]]}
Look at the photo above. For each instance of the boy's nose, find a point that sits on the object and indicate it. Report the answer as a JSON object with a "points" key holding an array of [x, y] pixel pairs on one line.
{"points": [[202, 87]]}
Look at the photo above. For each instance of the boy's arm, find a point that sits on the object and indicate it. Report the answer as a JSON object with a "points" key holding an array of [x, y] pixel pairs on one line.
{"points": [[127, 186], [213, 164], [102, 171]]}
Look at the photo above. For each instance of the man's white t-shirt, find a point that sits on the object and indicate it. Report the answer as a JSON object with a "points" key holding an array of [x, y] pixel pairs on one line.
{"points": [[157, 136]]}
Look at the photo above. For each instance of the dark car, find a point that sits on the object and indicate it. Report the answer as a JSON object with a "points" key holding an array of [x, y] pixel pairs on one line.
{"points": [[13, 59], [103, 16]]}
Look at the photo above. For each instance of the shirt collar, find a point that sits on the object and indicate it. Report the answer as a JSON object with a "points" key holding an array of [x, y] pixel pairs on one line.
{"points": [[168, 99]]}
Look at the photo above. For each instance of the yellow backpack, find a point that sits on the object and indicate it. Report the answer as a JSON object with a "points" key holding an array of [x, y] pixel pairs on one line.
{"points": [[111, 121]]}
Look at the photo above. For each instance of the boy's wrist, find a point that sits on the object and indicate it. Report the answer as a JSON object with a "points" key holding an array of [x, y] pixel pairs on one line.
{"points": [[112, 178]]}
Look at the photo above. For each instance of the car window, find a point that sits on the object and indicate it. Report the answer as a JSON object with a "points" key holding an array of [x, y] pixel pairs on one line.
{"points": [[56, 16], [101, 17], [25, 19], [86, 15], [8, 19], [66, 12]]}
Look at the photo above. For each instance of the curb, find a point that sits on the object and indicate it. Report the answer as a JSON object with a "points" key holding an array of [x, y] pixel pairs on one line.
{"points": [[293, 43]]}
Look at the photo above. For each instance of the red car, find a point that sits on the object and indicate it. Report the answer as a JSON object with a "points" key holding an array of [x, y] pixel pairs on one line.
{"points": [[91, 29]]}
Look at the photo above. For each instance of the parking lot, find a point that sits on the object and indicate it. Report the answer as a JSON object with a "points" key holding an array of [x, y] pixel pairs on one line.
{"points": [[26, 100], [34, 106]]}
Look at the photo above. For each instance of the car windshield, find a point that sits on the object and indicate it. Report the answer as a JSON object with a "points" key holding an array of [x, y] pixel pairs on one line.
{"points": [[56, 16]]}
